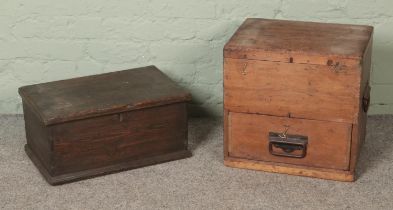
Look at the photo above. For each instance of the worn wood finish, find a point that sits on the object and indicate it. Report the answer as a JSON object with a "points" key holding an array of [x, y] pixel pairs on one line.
{"points": [[288, 89], [106, 140], [90, 132], [38, 138], [309, 76], [97, 95], [299, 42], [359, 129], [338, 175], [226, 131], [94, 172], [328, 142]]}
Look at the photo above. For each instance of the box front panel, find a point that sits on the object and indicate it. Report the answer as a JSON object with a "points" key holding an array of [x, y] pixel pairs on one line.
{"points": [[313, 143], [112, 139], [288, 89]]}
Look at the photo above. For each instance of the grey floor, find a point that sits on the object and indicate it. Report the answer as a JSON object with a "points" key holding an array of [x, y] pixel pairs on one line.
{"points": [[200, 182]]}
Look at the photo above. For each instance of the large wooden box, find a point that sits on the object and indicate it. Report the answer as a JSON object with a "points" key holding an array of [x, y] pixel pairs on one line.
{"points": [[296, 96], [94, 125]]}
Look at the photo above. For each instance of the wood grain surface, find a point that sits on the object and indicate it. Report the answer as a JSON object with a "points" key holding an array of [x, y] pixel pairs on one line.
{"points": [[298, 42], [337, 175], [84, 97], [95, 125], [312, 77], [86, 148], [39, 138], [359, 129], [289, 89], [328, 142], [110, 139]]}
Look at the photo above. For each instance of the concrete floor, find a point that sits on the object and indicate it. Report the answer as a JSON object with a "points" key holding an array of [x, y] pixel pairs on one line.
{"points": [[199, 182]]}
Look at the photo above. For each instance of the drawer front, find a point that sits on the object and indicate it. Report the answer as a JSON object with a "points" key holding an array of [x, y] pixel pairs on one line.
{"points": [[290, 89], [328, 143], [112, 139]]}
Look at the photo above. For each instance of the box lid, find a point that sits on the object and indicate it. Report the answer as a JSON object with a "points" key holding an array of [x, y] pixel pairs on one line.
{"points": [[299, 42], [84, 97]]}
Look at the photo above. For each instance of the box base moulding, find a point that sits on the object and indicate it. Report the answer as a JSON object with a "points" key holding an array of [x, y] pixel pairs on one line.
{"points": [[330, 174], [79, 175]]}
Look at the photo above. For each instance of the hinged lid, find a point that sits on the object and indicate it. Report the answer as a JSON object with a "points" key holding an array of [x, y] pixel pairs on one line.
{"points": [[299, 42], [108, 93]]}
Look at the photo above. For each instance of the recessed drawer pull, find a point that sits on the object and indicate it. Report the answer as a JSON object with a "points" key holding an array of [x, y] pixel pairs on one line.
{"points": [[294, 146]]}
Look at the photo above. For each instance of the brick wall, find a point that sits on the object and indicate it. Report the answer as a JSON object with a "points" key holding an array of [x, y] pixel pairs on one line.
{"points": [[45, 40]]}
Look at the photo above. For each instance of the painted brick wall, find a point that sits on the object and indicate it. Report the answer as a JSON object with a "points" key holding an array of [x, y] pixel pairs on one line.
{"points": [[44, 40]]}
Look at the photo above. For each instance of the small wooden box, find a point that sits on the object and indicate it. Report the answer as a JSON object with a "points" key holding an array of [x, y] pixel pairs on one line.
{"points": [[94, 125], [296, 96]]}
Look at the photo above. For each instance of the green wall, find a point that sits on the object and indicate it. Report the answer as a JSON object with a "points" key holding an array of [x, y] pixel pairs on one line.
{"points": [[45, 40]]}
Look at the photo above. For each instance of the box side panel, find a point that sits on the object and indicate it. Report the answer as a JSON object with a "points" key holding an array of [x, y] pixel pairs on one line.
{"points": [[287, 89], [112, 139], [226, 132], [38, 138], [359, 131]]}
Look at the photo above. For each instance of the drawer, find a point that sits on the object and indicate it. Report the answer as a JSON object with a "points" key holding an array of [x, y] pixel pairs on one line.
{"points": [[252, 136], [292, 89]]}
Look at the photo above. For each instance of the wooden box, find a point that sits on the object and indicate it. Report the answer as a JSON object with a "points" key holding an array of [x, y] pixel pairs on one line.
{"points": [[296, 96], [94, 125]]}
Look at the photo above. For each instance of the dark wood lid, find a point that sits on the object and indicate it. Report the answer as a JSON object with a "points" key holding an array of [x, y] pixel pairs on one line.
{"points": [[108, 93], [283, 40]]}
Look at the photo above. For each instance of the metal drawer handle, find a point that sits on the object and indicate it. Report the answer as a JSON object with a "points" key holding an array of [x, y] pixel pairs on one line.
{"points": [[288, 144], [366, 98]]}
